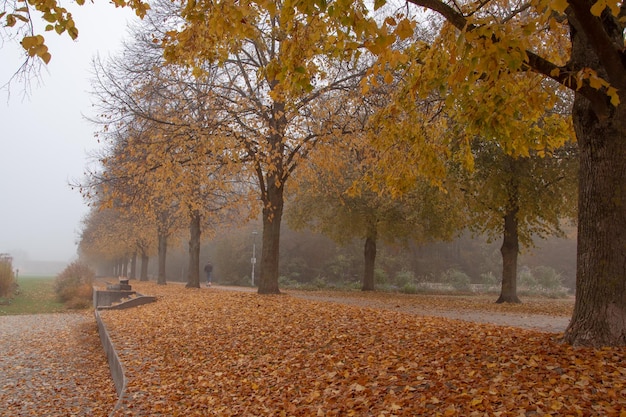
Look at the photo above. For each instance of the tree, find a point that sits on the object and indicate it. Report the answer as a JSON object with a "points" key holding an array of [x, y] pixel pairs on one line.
{"points": [[519, 199], [277, 67], [339, 195], [580, 45], [167, 131], [109, 236]]}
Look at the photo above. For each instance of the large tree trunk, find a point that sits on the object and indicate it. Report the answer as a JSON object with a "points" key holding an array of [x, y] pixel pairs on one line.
{"points": [[370, 258], [272, 215], [599, 316], [161, 279], [193, 276], [509, 251]]}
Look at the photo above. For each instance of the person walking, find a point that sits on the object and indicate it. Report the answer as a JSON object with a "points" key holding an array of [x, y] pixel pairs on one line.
{"points": [[208, 270]]}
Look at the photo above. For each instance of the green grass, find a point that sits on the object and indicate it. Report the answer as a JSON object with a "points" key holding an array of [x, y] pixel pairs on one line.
{"points": [[36, 296]]}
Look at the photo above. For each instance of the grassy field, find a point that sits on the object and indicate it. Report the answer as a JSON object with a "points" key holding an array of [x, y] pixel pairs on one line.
{"points": [[36, 297]]}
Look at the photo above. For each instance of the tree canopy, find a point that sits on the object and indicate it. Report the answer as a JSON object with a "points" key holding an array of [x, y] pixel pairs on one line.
{"points": [[481, 65]]}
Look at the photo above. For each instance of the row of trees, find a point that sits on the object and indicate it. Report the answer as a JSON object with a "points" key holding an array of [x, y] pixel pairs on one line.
{"points": [[482, 75], [179, 142], [312, 260]]}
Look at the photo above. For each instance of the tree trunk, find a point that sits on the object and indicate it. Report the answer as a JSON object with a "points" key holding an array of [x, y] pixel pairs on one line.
{"points": [[143, 276], [193, 275], [509, 251], [599, 317], [161, 279], [370, 258], [272, 215], [133, 266]]}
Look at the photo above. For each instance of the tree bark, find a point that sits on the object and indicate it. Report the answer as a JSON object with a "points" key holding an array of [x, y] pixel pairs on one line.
{"points": [[161, 279], [599, 317], [125, 266], [133, 266], [272, 216], [193, 275], [143, 276], [370, 258], [509, 251]]}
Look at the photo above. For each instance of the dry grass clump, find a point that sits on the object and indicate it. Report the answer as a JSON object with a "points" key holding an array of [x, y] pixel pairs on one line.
{"points": [[73, 285], [7, 278]]}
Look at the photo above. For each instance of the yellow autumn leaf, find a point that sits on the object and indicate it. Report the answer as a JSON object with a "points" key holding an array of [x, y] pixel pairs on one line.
{"points": [[614, 96], [46, 57], [598, 7], [615, 6], [476, 401], [404, 29], [32, 41], [559, 6]]}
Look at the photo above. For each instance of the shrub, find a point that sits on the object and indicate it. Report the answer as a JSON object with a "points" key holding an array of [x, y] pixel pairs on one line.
{"points": [[73, 285], [459, 280], [542, 280], [409, 288], [405, 278], [489, 278], [380, 276], [548, 278], [526, 279], [7, 278]]}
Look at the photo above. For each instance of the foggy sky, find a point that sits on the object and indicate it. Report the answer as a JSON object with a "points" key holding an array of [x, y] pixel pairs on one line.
{"points": [[45, 142]]}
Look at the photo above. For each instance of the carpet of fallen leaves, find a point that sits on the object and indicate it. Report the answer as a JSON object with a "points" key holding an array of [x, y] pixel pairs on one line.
{"points": [[220, 353], [430, 302], [53, 365]]}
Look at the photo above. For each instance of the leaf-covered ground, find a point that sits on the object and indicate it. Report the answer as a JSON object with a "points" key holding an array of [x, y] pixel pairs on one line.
{"points": [[220, 353], [53, 365], [484, 302]]}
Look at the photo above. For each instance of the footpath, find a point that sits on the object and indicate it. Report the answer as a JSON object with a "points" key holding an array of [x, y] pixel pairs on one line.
{"points": [[53, 365]]}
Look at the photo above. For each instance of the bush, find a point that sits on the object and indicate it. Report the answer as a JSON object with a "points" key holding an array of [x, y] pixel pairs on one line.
{"points": [[405, 278], [459, 280], [380, 276], [490, 279], [526, 279], [409, 288], [548, 278], [7, 278], [73, 285], [542, 280]]}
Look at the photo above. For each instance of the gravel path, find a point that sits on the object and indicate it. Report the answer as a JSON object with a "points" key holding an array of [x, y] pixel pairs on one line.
{"points": [[53, 365], [544, 323], [540, 322]]}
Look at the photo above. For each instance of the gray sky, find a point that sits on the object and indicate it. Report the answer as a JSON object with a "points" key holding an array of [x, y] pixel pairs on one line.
{"points": [[45, 140]]}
